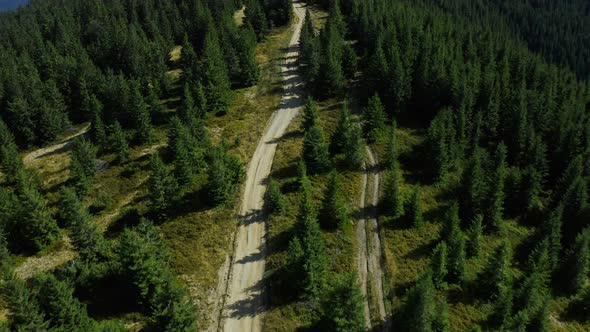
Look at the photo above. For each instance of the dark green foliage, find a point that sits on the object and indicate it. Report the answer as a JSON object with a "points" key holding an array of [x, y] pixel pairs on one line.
{"points": [[83, 165], [349, 61], [579, 263], [552, 230], [340, 137], [495, 210], [246, 47], [62, 309], [438, 265], [443, 144], [456, 258], [36, 227], [413, 210], [189, 62], [294, 263], [162, 187], [214, 76], [475, 237], [187, 109], [25, 312], [441, 322], [256, 17], [419, 311], [374, 118], [10, 159], [344, 305], [189, 144], [497, 276], [141, 116], [85, 235], [315, 150], [274, 198], [97, 130], [310, 114], [393, 199], [225, 174], [354, 151], [119, 142], [474, 189], [392, 149], [330, 79], [335, 212]]}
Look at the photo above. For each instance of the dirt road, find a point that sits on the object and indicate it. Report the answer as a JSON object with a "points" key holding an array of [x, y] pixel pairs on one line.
{"points": [[369, 254], [244, 303], [64, 145]]}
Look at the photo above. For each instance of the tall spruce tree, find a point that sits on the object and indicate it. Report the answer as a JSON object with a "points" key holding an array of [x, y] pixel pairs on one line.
{"points": [[214, 76], [24, 311], [315, 150], [119, 142], [414, 209], [141, 116], [339, 138], [334, 212], [374, 118], [438, 265], [97, 128], [420, 307], [393, 199], [475, 237], [344, 305], [310, 114], [83, 165], [353, 153], [162, 187], [494, 213], [579, 263], [36, 227], [225, 174]]}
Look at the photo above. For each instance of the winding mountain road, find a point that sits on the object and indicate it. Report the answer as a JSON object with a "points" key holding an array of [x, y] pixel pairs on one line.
{"points": [[244, 287]]}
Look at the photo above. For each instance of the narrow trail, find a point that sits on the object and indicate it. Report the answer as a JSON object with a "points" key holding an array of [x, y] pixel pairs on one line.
{"points": [[242, 296], [369, 256], [64, 145]]}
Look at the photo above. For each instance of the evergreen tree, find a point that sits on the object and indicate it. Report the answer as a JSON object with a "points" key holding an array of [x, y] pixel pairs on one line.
{"points": [[443, 145], [553, 234], [456, 257], [335, 212], [497, 276], [141, 116], [441, 321], [392, 153], [36, 228], [438, 265], [119, 142], [310, 114], [294, 264], [187, 109], [24, 311], [315, 150], [97, 127], [579, 262], [339, 138], [374, 118], [200, 100], [331, 79], [274, 198], [474, 183], [344, 306], [225, 174], [83, 165], [162, 187], [353, 153], [85, 235], [189, 62], [349, 61], [63, 310], [495, 208], [315, 261], [393, 200], [246, 46], [420, 306], [414, 209], [474, 236], [256, 17], [214, 76]]}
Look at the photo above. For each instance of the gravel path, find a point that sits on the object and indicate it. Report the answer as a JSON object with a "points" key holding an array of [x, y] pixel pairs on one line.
{"points": [[244, 298]]}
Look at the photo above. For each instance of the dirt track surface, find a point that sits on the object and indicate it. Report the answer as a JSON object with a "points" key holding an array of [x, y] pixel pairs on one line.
{"points": [[64, 145], [369, 256], [244, 298]]}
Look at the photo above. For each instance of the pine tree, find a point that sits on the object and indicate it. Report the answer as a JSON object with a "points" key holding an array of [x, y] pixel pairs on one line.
{"points": [[579, 262], [339, 138], [24, 311], [315, 261], [474, 183], [441, 321], [456, 256], [393, 200], [331, 79], [443, 145], [249, 73], [200, 100], [414, 209], [349, 61], [294, 264], [97, 129], [374, 118], [141, 116], [495, 208], [315, 151], [420, 306], [274, 198], [63, 310], [392, 149], [225, 173], [187, 109], [86, 237], [344, 305], [310, 114], [154, 104], [474, 236], [162, 187], [335, 212], [119, 142], [552, 231], [353, 153], [257, 18], [438, 265], [83, 165], [189, 62], [214, 76], [37, 228], [497, 276]]}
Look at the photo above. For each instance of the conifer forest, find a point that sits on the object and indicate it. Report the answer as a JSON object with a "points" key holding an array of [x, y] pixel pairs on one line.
{"points": [[281, 165]]}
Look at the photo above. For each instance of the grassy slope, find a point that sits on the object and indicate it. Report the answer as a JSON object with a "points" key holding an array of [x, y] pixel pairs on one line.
{"points": [[197, 235], [408, 250]]}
